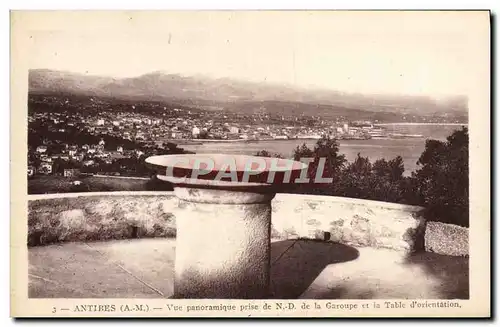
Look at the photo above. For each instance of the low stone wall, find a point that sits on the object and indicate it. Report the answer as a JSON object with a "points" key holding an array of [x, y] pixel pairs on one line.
{"points": [[350, 221], [72, 217], [115, 215], [446, 239]]}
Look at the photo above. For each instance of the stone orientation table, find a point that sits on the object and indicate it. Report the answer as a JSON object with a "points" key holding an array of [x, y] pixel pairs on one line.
{"points": [[224, 221]]}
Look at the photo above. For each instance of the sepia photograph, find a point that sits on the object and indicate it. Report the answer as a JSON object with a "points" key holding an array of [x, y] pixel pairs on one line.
{"points": [[315, 162]]}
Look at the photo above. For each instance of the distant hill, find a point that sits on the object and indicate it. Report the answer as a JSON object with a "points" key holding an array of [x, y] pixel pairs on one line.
{"points": [[231, 94]]}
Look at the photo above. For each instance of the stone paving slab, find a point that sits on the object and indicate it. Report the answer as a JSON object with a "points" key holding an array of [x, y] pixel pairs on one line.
{"points": [[76, 271], [386, 274], [144, 268], [150, 260]]}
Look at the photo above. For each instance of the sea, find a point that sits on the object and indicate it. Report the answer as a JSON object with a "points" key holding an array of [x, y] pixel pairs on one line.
{"points": [[409, 149]]}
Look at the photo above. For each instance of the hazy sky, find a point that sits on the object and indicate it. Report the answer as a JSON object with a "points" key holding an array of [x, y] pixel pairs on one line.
{"points": [[404, 53]]}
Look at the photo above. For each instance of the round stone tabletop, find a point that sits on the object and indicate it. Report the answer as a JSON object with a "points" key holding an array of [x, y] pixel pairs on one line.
{"points": [[221, 170]]}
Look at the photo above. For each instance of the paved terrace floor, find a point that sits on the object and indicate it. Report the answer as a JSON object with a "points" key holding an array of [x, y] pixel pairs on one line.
{"points": [[300, 269]]}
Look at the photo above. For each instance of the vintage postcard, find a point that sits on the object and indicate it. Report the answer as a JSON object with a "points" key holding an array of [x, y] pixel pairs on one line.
{"points": [[250, 164]]}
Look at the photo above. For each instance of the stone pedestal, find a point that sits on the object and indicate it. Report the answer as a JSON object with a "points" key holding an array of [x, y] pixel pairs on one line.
{"points": [[223, 234], [223, 247]]}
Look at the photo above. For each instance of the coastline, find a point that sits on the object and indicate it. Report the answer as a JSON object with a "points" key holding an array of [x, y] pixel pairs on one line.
{"points": [[421, 124], [202, 141], [181, 142], [395, 135]]}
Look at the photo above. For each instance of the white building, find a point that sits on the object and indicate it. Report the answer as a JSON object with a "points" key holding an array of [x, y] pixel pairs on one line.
{"points": [[45, 168], [196, 131], [41, 149], [45, 158]]}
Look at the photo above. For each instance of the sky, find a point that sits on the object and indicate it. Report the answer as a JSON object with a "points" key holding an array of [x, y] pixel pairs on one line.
{"points": [[414, 53]]}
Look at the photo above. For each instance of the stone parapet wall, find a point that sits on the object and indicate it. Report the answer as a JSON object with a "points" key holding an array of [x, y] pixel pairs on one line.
{"points": [[114, 215], [446, 239], [350, 221], [73, 217]]}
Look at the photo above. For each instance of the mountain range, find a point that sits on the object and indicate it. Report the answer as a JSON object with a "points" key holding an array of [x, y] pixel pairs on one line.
{"points": [[237, 95]]}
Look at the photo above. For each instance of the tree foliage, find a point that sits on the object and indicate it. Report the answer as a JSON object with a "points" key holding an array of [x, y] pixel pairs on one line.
{"points": [[440, 184], [326, 154], [265, 153]]}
